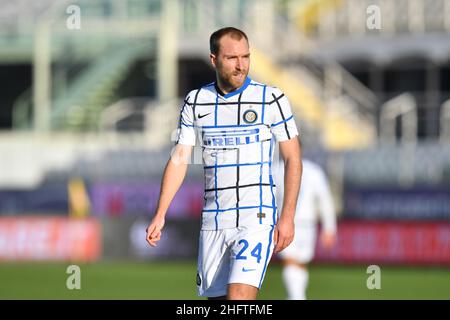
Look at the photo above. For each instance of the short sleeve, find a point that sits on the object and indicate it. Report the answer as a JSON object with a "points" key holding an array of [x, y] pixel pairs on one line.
{"points": [[282, 124], [186, 129]]}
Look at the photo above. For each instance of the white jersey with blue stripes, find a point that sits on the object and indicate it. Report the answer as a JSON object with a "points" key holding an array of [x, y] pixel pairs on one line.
{"points": [[237, 132]]}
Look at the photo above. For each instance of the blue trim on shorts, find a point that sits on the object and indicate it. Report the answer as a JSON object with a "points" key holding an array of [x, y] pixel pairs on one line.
{"points": [[267, 256]]}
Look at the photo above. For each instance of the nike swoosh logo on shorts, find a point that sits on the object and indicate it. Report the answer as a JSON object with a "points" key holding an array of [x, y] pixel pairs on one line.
{"points": [[247, 270], [203, 115]]}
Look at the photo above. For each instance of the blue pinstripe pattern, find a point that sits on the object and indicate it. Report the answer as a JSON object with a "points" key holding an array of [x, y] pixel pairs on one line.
{"points": [[257, 84], [181, 113], [281, 122], [230, 126], [262, 158], [215, 109], [215, 168], [263, 103], [229, 209], [236, 165], [260, 182], [186, 125], [274, 216], [232, 133], [215, 195]]}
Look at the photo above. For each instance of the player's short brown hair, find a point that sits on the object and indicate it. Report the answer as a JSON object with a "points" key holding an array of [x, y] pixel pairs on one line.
{"points": [[214, 40]]}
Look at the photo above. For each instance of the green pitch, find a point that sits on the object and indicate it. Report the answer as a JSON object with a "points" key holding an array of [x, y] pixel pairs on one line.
{"points": [[176, 280]]}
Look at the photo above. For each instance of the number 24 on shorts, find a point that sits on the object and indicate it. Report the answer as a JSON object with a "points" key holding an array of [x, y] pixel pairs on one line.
{"points": [[256, 252]]}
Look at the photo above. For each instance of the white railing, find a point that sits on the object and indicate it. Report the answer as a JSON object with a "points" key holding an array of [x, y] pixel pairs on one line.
{"points": [[403, 106], [280, 39], [259, 18], [394, 16], [159, 119], [444, 136]]}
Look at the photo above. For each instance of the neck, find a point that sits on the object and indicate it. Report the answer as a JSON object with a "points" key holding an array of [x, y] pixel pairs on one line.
{"points": [[225, 88]]}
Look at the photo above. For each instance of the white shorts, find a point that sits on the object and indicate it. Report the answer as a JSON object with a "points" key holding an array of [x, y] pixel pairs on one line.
{"points": [[236, 255], [303, 246]]}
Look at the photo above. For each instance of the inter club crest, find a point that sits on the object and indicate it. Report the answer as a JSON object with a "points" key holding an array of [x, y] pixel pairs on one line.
{"points": [[250, 116]]}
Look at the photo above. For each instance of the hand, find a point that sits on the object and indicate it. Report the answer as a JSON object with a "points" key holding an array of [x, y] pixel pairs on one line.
{"points": [[154, 230], [328, 239], [284, 234]]}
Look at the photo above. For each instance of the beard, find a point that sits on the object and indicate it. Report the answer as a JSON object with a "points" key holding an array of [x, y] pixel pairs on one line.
{"points": [[233, 80]]}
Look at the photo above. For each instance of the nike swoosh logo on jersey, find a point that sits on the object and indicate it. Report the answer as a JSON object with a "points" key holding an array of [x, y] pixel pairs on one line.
{"points": [[202, 115], [247, 270]]}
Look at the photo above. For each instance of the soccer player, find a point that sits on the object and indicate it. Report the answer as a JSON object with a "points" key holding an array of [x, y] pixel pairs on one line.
{"points": [[315, 196], [236, 121]]}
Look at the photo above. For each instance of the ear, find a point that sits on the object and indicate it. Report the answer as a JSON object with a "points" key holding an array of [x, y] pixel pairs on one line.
{"points": [[213, 59]]}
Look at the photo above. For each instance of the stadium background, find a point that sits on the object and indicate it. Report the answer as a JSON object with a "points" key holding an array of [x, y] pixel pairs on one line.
{"points": [[89, 96]]}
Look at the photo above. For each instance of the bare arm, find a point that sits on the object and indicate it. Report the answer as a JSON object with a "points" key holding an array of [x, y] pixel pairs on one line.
{"points": [[284, 231], [173, 177]]}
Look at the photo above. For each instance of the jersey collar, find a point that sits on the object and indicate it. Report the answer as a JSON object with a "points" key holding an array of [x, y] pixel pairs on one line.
{"points": [[235, 92]]}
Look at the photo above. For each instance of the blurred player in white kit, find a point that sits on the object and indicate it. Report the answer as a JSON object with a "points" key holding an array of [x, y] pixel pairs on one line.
{"points": [[315, 197]]}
